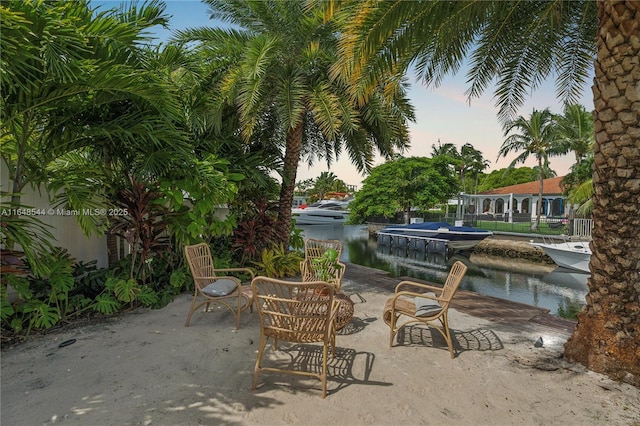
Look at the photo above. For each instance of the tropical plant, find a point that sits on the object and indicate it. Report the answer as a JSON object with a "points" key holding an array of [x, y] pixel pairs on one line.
{"points": [[302, 187], [397, 186], [583, 196], [519, 45], [537, 137], [473, 163], [575, 131], [142, 221], [469, 162], [278, 262], [325, 183], [278, 65], [255, 232], [74, 104], [506, 177], [326, 265], [30, 232]]}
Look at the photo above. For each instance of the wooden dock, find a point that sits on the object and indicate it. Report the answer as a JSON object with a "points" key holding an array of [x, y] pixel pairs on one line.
{"points": [[475, 304]]}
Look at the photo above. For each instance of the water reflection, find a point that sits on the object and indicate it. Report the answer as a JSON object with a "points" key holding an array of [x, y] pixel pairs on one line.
{"points": [[560, 291]]}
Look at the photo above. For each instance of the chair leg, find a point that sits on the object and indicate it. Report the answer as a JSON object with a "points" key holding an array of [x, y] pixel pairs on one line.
{"points": [[256, 370], [237, 313], [193, 307], [392, 329], [324, 370], [447, 334]]}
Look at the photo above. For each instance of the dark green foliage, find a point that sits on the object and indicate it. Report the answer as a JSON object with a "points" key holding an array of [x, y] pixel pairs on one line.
{"points": [[397, 186], [506, 177], [569, 309], [580, 173]]}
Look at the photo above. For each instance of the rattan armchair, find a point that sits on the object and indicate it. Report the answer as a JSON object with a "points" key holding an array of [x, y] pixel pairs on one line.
{"points": [[295, 312], [315, 248], [426, 304], [311, 271], [219, 286]]}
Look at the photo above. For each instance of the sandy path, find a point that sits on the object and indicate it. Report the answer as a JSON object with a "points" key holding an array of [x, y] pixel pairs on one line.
{"points": [[146, 368]]}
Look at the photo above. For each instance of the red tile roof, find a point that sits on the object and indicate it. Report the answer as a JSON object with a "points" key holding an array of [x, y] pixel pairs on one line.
{"points": [[549, 187]]}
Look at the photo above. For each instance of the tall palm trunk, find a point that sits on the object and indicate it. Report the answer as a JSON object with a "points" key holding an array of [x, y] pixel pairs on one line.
{"points": [[290, 170], [607, 337], [536, 224]]}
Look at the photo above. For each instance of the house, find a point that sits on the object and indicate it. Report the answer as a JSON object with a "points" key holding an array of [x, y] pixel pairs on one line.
{"points": [[517, 203]]}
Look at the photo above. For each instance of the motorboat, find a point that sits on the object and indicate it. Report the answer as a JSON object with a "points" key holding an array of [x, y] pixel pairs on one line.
{"points": [[573, 255], [323, 212], [455, 237]]}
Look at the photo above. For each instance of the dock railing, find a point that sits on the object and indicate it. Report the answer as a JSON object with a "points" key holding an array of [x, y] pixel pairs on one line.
{"points": [[582, 228]]}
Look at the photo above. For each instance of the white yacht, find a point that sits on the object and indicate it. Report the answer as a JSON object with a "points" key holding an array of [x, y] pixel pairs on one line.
{"points": [[323, 212]]}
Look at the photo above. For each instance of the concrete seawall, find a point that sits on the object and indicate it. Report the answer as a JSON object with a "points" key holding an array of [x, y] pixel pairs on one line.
{"points": [[507, 246]]}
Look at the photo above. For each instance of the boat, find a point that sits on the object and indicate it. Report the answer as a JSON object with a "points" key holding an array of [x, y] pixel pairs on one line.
{"points": [[324, 212], [574, 255], [455, 237]]}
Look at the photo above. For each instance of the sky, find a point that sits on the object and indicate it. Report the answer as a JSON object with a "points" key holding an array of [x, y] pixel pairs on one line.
{"points": [[442, 114]]}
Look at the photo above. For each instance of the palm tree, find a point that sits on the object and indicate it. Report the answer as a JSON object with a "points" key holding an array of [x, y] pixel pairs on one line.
{"points": [[327, 182], [575, 127], [536, 137], [520, 44], [583, 196], [279, 56], [65, 89], [473, 163]]}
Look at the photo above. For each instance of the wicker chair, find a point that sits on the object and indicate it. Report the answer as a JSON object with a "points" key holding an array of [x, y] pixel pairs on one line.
{"points": [[428, 308], [295, 312], [314, 249], [210, 287]]}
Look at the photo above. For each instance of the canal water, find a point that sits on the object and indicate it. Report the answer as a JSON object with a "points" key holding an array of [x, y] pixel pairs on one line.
{"points": [[561, 291]]}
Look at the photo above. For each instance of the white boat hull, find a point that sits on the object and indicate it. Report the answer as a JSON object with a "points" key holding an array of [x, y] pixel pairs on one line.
{"points": [[310, 216], [570, 255]]}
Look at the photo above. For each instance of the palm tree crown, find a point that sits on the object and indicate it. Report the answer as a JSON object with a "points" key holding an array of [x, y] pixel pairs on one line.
{"points": [[536, 136], [277, 65]]}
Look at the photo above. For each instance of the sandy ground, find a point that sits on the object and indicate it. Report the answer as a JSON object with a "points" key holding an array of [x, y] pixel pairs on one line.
{"points": [[146, 368]]}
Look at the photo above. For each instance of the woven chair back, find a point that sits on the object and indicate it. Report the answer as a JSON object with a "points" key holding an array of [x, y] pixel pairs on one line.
{"points": [[456, 274], [200, 262], [314, 248], [295, 311]]}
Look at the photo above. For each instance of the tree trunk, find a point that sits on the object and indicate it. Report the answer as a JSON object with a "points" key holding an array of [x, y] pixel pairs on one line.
{"points": [[607, 337], [291, 160], [536, 224], [112, 248]]}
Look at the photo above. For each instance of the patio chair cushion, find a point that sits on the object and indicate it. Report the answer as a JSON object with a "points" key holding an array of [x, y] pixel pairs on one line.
{"points": [[426, 307], [221, 287]]}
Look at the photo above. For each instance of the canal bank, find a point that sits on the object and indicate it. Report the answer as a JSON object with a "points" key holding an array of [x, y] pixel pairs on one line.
{"points": [[505, 276], [512, 247], [508, 245]]}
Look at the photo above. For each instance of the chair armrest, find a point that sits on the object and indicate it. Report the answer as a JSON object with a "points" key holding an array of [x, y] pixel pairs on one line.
{"points": [[414, 294], [431, 288]]}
